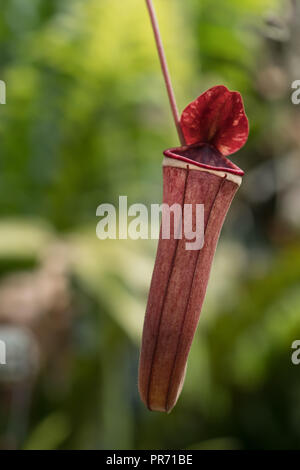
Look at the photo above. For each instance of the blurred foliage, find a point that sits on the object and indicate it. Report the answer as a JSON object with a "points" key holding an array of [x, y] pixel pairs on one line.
{"points": [[86, 120]]}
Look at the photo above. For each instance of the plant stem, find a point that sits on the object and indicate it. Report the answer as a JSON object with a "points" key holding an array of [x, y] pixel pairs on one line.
{"points": [[165, 70]]}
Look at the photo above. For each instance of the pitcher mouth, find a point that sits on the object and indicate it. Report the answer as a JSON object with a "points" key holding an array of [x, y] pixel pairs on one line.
{"points": [[204, 156]]}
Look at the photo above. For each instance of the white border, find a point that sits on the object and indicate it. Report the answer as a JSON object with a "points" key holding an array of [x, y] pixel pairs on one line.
{"points": [[167, 161]]}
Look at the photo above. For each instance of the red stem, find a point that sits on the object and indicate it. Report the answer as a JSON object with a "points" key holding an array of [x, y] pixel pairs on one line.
{"points": [[165, 70]]}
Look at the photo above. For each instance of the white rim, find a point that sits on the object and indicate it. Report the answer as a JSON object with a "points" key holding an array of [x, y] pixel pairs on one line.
{"points": [[181, 164]]}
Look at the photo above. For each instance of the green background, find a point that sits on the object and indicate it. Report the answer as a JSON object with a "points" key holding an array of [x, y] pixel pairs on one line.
{"points": [[86, 120]]}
